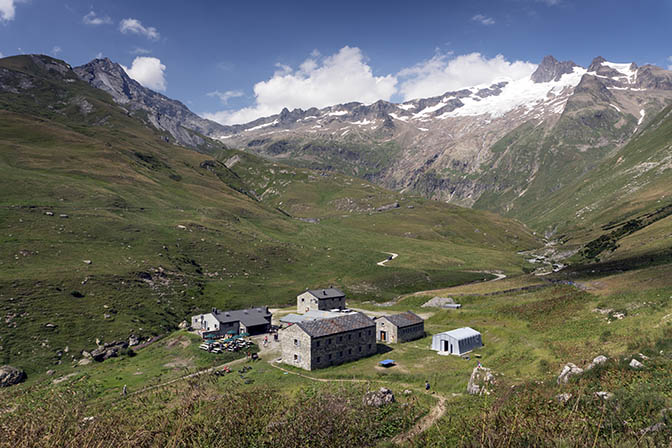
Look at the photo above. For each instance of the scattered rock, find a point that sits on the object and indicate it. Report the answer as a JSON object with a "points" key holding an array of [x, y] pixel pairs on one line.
{"points": [[604, 395], [50, 372], [49, 213], [643, 356], [87, 419], [86, 354], [379, 397], [388, 207], [181, 227], [438, 302], [408, 392], [184, 324], [563, 398], [9, 376], [84, 362], [635, 364], [64, 378], [108, 350], [63, 215], [568, 371], [480, 381], [597, 361], [87, 262], [50, 325], [133, 340]]}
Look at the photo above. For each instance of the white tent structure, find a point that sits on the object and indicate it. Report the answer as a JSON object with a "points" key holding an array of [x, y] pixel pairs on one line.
{"points": [[457, 342]]}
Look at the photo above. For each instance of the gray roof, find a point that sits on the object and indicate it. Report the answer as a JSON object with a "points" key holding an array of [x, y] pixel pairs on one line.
{"points": [[461, 333], [326, 327], [293, 318], [404, 319], [250, 317], [327, 293]]}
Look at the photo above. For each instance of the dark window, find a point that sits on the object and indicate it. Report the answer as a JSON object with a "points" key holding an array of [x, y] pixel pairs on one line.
{"points": [[369, 346], [340, 354], [296, 342], [349, 337], [317, 344], [349, 351], [296, 357], [329, 356], [318, 360], [328, 341], [340, 339], [360, 348]]}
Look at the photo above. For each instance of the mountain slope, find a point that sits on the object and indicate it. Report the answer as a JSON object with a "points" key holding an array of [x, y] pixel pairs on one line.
{"points": [[506, 147], [171, 116]]}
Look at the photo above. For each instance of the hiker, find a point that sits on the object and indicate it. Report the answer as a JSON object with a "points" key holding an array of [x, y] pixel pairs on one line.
{"points": [[427, 386]]}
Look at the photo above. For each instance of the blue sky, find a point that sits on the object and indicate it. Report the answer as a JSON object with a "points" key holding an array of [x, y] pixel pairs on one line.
{"points": [[234, 61]]}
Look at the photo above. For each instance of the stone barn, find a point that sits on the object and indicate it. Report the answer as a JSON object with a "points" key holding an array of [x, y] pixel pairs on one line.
{"points": [[457, 342], [219, 323], [326, 342], [401, 327], [320, 299]]}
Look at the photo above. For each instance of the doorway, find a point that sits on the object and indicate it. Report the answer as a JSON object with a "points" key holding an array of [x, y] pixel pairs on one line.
{"points": [[383, 336]]}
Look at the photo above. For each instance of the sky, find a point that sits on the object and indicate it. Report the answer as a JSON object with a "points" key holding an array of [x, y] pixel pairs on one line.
{"points": [[235, 61]]}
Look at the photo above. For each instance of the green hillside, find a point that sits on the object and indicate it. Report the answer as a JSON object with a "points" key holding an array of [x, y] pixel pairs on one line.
{"points": [[155, 232]]}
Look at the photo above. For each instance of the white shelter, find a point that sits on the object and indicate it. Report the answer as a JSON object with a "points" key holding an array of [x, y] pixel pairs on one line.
{"points": [[457, 342]]}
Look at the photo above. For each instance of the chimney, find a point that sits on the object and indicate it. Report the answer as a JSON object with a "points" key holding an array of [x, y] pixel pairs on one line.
{"points": [[324, 291]]}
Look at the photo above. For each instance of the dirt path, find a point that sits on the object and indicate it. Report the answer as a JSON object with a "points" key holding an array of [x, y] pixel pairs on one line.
{"points": [[424, 423], [500, 276], [391, 257], [421, 426]]}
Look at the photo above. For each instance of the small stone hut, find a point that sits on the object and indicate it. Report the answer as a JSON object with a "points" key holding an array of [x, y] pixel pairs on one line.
{"points": [[401, 327]]}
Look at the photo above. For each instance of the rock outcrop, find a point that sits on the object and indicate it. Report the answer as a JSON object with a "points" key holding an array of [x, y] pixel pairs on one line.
{"points": [[379, 397], [568, 371], [481, 381], [9, 376]]}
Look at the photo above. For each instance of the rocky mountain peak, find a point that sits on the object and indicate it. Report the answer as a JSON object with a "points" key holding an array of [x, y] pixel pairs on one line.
{"points": [[551, 69], [596, 64]]}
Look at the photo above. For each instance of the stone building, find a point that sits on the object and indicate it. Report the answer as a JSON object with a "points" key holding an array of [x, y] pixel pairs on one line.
{"points": [[326, 342], [401, 327], [320, 299], [219, 323]]}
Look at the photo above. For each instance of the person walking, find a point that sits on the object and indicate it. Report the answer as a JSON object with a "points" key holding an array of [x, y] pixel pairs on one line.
{"points": [[427, 386]]}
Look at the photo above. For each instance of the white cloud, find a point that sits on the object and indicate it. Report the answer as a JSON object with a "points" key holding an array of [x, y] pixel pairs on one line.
{"points": [[92, 19], [149, 72], [56, 50], [1, 55], [483, 20], [136, 27], [441, 74], [318, 82], [224, 97], [138, 50], [7, 10]]}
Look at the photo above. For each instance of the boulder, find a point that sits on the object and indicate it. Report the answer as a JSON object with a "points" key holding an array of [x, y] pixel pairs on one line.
{"points": [[563, 398], [108, 350], [604, 395], [84, 361], [569, 371], [133, 340], [635, 364], [481, 381], [184, 324], [653, 428], [9, 376], [597, 361], [379, 397]]}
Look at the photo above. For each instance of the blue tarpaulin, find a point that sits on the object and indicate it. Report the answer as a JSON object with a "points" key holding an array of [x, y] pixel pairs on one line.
{"points": [[387, 362]]}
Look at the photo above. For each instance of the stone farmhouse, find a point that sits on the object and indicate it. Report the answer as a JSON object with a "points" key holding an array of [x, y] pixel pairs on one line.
{"points": [[401, 327], [220, 323], [320, 299], [325, 342]]}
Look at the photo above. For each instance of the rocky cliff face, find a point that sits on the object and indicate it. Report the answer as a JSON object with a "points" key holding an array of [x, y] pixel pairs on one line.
{"points": [[173, 117]]}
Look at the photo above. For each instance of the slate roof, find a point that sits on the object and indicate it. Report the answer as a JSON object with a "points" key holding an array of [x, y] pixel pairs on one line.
{"points": [[462, 333], [293, 318], [406, 319], [327, 293], [250, 317], [326, 327]]}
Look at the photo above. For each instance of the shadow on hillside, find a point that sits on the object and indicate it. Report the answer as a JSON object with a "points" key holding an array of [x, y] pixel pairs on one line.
{"points": [[382, 348]]}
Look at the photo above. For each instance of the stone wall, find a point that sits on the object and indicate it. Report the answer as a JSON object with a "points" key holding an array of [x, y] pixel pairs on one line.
{"points": [[411, 333], [295, 345]]}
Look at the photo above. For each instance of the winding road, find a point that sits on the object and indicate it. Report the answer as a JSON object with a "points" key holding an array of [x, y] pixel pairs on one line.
{"points": [[391, 257]]}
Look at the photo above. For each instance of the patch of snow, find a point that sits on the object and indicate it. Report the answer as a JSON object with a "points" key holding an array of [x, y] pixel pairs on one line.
{"points": [[615, 107], [642, 112], [625, 69], [518, 93], [363, 122], [397, 117], [423, 129], [338, 113], [406, 106], [261, 126], [316, 126]]}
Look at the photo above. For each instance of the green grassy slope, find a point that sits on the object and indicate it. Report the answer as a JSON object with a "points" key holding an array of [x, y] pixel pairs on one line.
{"points": [[170, 232]]}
